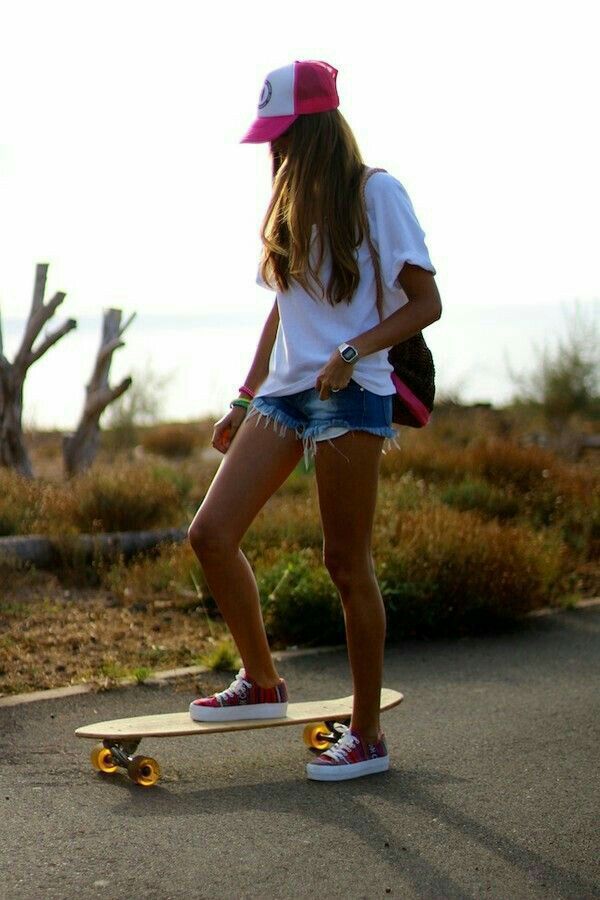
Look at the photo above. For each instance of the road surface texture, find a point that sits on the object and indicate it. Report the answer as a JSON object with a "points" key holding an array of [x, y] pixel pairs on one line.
{"points": [[492, 791]]}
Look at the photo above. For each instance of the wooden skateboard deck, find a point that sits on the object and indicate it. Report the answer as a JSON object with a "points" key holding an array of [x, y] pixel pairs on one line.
{"points": [[121, 737], [180, 724]]}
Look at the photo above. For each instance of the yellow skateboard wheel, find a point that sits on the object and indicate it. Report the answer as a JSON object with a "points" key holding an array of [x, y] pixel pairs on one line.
{"points": [[102, 759], [144, 770], [313, 736]]}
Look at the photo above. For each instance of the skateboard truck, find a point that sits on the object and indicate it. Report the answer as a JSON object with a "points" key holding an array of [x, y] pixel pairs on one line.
{"points": [[322, 735], [110, 755]]}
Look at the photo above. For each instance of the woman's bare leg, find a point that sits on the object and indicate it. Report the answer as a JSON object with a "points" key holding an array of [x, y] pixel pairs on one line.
{"points": [[347, 501], [257, 462]]}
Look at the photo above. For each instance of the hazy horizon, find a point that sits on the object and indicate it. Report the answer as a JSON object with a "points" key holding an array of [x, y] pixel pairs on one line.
{"points": [[188, 351]]}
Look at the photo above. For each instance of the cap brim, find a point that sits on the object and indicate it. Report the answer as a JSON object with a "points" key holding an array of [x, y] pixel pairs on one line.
{"points": [[267, 128]]}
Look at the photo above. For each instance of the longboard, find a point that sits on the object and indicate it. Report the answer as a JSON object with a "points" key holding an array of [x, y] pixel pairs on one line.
{"points": [[121, 737]]}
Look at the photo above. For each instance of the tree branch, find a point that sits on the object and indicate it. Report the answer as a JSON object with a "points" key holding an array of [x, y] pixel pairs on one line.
{"points": [[37, 320], [51, 339], [106, 351], [99, 400], [127, 323], [39, 287]]}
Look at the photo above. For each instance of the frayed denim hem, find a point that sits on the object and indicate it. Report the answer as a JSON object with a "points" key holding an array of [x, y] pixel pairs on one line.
{"points": [[391, 439], [280, 422], [277, 417]]}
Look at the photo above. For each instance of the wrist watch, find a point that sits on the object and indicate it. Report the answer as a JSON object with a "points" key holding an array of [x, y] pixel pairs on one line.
{"points": [[348, 353]]}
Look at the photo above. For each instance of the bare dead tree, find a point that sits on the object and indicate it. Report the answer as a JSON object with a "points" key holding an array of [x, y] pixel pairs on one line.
{"points": [[80, 447], [13, 453]]}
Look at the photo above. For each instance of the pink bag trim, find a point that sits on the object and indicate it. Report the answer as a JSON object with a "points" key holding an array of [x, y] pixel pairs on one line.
{"points": [[418, 409]]}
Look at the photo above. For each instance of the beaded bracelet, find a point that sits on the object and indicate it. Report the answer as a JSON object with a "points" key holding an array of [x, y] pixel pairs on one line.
{"points": [[246, 390], [240, 402]]}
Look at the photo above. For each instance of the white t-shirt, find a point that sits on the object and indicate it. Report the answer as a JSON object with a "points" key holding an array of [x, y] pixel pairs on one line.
{"points": [[310, 330]]}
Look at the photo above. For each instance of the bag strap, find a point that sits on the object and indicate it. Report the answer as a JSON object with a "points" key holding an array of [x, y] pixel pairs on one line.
{"points": [[374, 255]]}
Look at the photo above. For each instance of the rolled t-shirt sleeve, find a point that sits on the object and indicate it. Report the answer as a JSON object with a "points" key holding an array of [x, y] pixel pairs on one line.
{"points": [[395, 229]]}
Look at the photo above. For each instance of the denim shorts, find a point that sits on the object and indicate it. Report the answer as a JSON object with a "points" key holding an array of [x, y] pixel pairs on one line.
{"points": [[353, 408]]}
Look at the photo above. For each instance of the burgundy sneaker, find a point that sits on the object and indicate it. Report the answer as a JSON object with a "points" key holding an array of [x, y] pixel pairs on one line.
{"points": [[243, 699], [350, 757]]}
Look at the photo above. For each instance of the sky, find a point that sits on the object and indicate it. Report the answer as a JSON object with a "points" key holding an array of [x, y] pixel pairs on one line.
{"points": [[120, 161]]}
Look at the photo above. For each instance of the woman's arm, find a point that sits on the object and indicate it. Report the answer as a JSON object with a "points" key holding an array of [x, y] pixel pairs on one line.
{"points": [[260, 365], [424, 308], [226, 428]]}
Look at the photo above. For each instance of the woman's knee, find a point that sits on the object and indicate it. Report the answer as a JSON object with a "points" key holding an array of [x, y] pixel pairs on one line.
{"points": [[348, 567], [209, 538]]}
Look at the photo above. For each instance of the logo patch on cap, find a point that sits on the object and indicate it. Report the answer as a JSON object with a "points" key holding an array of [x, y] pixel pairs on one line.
{"points": [[265, 94]]}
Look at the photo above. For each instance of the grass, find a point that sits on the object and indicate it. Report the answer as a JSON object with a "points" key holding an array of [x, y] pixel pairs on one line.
{"points": [[141, 673], [222, 657], [55, 637]]}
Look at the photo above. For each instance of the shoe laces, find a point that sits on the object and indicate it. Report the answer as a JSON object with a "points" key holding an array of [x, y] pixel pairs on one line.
{"points": [[238, 688], [346, 744]]}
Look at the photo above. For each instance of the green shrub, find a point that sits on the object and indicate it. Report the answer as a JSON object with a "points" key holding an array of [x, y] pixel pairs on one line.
{"points": [[182, 481], [449, 570], [15, 503], [32, 505], [223, 657], [436, 463], [498, 460], [113, 670], [141, 673], [479, 495], [300, 603], [405, 491], [289, 524], [443, 572], [127, 498], [506, 464], [167, 574], [570, 502], [172, 440], [18, 503], [395, 495], [565, 380]]}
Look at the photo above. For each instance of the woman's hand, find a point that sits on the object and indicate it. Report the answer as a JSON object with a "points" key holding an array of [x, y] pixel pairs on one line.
{"points": [[336, 373], [226, 428]]}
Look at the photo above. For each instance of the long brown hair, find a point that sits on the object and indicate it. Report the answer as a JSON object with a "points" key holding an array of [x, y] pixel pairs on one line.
{"points": [[316, 179]]}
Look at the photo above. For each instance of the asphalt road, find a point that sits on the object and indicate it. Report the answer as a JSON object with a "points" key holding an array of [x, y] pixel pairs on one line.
{"points": [[492, 792]]}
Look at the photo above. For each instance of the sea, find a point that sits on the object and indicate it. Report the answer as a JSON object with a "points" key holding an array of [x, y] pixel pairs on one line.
{"points": [[192, 365]]}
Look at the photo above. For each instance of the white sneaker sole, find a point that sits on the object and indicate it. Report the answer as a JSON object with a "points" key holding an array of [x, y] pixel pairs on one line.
{"points": [[344, 771], [237, 713]]}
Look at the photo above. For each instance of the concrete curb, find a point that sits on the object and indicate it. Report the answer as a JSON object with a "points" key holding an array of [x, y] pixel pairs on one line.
{"points": [[160, 678], [549, 610], [155, 680]]}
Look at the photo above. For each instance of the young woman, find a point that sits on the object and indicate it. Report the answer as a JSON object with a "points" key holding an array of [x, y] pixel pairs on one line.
{"points": [[320, 385]]}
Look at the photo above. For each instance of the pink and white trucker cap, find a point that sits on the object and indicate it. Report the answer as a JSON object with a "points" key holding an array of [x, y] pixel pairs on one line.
{"points": [[306, 86]]}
